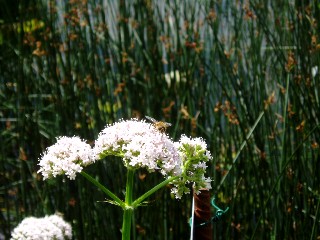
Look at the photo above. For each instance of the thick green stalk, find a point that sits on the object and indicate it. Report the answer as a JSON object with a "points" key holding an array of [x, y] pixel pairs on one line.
{"points": [[128, 209]]}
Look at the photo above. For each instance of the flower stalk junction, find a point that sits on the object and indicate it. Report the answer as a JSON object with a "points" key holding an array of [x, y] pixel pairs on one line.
{"points": [[140, 145]]}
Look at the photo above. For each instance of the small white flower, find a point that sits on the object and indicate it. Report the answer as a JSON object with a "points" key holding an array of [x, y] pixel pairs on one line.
{"points": [[68, 156], [140, 144], [50, 228]]}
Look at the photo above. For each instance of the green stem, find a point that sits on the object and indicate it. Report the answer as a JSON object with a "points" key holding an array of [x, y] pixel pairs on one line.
{"points": [[153, 190], [126, 225], [244, 143], [277, 181], [283, 149], [104, 189], [128, 210], [128, 206], [315, 221]]}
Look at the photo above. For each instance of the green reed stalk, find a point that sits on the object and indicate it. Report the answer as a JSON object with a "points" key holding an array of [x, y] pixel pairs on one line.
{"points": [[72, 89], [280, 176]]}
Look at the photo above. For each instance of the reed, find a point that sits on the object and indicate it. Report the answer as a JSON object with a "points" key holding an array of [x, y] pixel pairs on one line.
{"points": [[208, 67]]}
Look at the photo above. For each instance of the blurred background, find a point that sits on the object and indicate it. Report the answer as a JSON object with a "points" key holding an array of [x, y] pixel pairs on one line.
{"points": [[211, 68]]}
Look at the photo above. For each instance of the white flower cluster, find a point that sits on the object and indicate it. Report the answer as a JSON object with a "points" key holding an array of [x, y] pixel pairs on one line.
{"points": [[140, 145], [67, 156], [49, 228], [194, 155]]}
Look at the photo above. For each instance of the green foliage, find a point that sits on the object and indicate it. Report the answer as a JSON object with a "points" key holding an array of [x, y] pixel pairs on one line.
{"points": [[208, 67]]}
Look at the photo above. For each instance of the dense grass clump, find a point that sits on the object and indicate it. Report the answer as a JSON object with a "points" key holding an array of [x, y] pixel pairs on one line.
{"points": [[241, 74]]}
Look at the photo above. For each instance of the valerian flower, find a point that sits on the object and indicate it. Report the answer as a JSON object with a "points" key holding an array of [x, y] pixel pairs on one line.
{"points": [[140, 145], [194, 155], [50, 227], [68, 156]]}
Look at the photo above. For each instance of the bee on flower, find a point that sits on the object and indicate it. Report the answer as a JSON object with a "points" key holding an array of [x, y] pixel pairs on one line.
{"points": [[161, 126]]}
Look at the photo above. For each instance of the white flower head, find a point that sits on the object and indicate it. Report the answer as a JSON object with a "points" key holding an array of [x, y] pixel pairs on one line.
{"points": [[140, 145], [50, 227], [68, 156], [64, 227], [194, 155]]}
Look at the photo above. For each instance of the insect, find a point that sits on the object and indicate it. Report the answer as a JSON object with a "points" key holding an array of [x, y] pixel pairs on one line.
{"points": [[161, 126], [214, 219]]}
